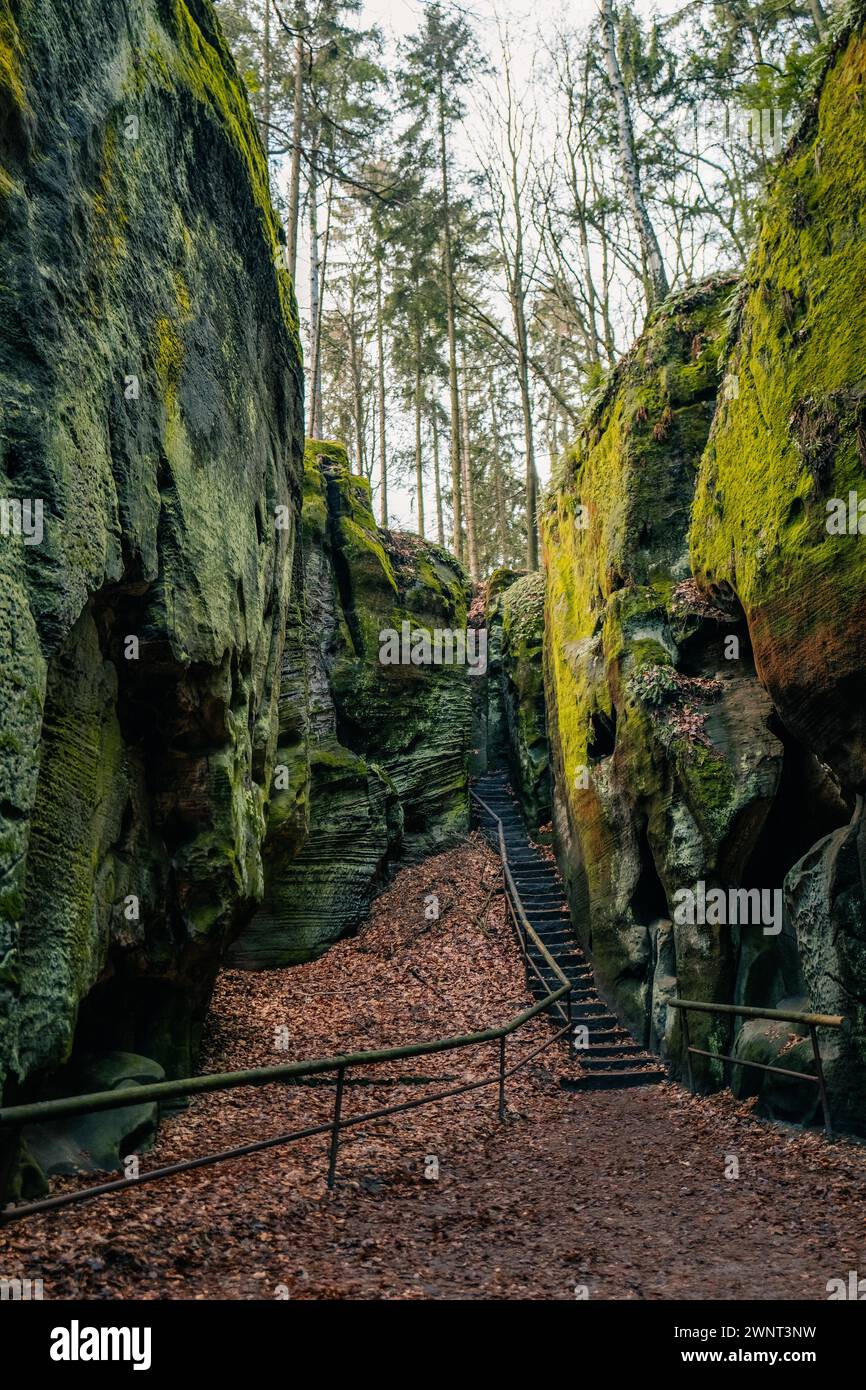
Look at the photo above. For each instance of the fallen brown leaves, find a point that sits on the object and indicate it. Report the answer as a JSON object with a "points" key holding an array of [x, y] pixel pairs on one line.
{"points": [[624, 1192]]}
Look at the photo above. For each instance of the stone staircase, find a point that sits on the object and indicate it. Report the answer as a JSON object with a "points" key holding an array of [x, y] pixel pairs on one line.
{"points": [[612, 1059]]}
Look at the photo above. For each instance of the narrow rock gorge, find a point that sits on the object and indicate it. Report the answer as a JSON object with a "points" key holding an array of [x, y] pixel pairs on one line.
{"points": [[216, 744]]}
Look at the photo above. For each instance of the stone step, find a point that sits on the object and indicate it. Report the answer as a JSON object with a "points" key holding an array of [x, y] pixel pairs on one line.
{"points": [[610, 1050], [613, 1080], [572, 964], [603, 1035], [625, 1062]]}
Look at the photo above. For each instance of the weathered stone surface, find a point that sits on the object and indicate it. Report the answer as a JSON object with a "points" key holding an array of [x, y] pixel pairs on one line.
{"points": [[793, 436], [522, 685], [387, 745], [784, 460], [491, 739], [826, 900], [773, 1044], [97, 1142], [665, 767], [150, 389]]}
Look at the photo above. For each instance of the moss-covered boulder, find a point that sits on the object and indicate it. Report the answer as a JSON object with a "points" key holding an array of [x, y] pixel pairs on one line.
{"points": [[522, 684], [664, 765], [386, 748], [771, 1043], [150, 400]]}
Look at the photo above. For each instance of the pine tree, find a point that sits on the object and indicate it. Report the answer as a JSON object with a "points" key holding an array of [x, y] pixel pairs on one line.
{"points": [[437, 64]]}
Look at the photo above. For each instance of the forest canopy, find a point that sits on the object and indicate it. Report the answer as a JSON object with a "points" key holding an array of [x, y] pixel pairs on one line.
{"points": [[480, 210]]}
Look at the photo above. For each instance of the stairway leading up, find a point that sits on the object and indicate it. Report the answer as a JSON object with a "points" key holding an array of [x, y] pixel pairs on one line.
{"points": [[611, 1057]]}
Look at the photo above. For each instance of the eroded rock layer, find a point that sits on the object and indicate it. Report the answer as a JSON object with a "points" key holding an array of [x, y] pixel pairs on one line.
{"points": [[382, 767], [522, 694]]}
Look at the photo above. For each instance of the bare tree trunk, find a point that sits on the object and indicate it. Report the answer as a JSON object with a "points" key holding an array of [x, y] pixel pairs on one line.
{"points": [[498, 480], [609, 335], [819, 17], [448, 267], [468, 489], [317, 320], [380, 366], [554, 418], [357, 399], [591, 298], [266, 85], [655, 280], [529, 448], [297, 122], [517, 282], [440, 525], [315, 316], [419, 462]]}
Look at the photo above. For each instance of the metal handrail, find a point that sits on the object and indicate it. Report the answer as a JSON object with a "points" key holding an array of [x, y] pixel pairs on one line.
{"points": [[14, 1117], [812, 1021], [519, 913]]}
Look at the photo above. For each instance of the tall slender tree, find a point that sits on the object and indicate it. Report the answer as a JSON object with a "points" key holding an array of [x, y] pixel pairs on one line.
{"points": [[438, 63], [655, 278]]}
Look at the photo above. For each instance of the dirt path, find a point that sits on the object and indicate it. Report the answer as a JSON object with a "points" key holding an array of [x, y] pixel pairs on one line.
{"points": [[611, 1195]]}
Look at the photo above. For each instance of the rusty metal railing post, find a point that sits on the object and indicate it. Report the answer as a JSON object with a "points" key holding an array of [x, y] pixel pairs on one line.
{"points": [[502, 1077], [687, 1040], [335, 1131], [822, 1085]]}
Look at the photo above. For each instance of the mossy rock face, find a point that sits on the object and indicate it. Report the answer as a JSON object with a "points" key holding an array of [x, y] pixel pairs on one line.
{"points": [[826, 903], [491, 737], [315, 895], [664, 765], [770, 1043], [776, 521], [150, 403], [789, 436], [386, 746], [523, 694]]}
